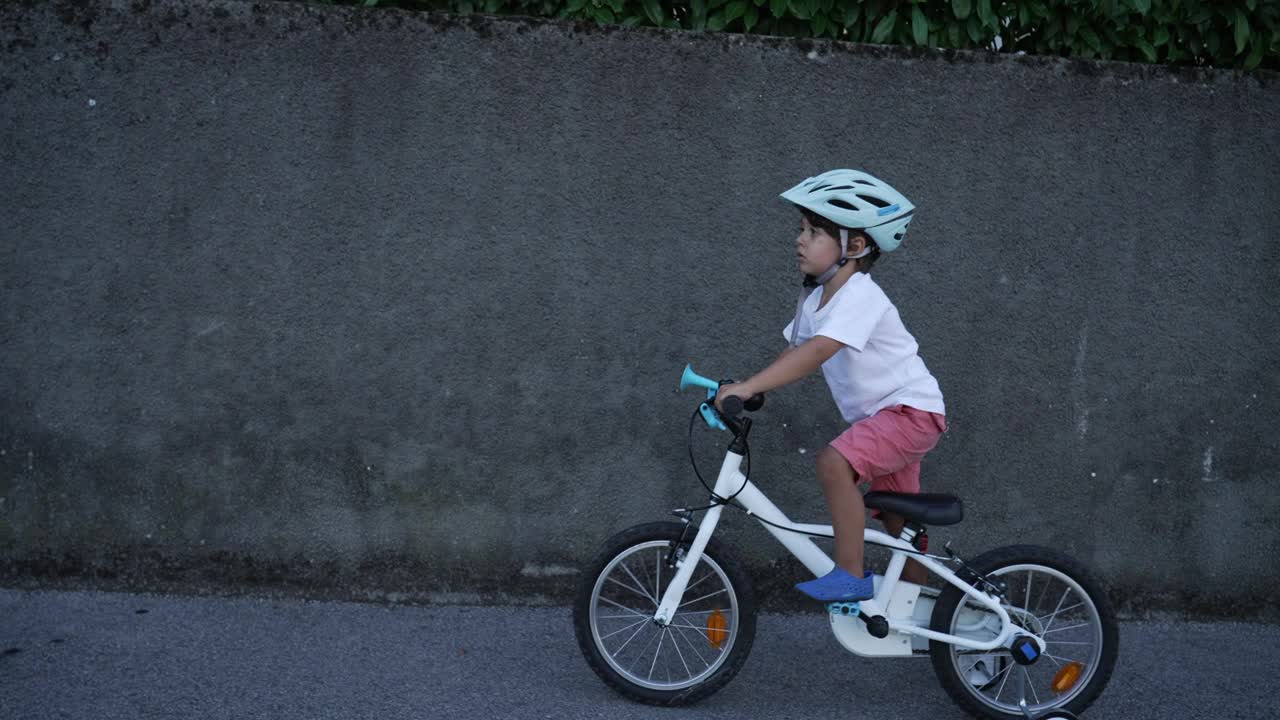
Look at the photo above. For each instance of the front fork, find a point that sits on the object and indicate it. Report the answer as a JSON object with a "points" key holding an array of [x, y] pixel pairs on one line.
{"points": [[685, 565]]}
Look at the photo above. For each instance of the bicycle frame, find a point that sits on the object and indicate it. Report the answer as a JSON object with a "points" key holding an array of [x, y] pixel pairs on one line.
{"points": [[797, 540]]}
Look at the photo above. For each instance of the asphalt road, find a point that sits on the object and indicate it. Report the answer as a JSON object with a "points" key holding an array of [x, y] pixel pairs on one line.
{"points": [[109, 655]]}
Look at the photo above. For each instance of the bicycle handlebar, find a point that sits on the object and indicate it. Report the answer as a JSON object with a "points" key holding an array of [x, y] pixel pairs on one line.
{"points": [[733, 405]]}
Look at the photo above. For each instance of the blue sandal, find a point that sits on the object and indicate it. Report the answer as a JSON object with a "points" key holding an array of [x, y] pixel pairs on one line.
{"points": [[839, 586]]}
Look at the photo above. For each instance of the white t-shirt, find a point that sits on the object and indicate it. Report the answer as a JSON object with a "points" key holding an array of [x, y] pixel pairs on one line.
{"points": [[878, 367]]}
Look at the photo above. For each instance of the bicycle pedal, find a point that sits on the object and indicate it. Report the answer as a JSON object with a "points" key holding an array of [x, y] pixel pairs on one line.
{"points": [[843, 608]]}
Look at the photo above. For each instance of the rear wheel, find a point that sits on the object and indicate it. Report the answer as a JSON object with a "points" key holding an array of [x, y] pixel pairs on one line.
{"points": [[702, 648], [1049, 595]]}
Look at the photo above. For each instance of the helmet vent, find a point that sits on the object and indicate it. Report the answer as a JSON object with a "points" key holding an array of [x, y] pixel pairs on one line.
{"points": [[841, 204], [865, 182], [874, 201]]}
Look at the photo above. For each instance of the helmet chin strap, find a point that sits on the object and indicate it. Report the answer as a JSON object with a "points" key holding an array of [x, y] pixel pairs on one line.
{"points": [[811, 283]]}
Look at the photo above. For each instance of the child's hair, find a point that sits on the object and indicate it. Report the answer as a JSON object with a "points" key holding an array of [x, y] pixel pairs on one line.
{"points": [[864, 263]]}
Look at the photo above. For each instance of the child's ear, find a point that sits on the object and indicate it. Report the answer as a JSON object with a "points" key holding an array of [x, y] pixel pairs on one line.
{"points": [[857, 243]]}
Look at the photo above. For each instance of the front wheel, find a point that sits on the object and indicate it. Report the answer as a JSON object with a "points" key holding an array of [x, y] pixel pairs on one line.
{"points": [[1049, 595], [702, 648]]}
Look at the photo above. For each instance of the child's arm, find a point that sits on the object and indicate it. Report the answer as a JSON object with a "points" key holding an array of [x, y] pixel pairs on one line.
{"points": [[791, 365]]}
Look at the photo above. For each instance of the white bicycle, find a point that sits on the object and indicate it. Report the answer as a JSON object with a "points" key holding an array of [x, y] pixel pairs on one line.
{"points": [[666, 616]]}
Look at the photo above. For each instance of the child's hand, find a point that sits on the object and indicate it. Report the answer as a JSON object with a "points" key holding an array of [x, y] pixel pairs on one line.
{"points": [[736, 389]]}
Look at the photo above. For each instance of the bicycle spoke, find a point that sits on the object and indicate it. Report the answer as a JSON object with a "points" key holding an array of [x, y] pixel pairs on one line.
{"points": [[688, 673], [1055, 613], [620, 606], [1047, 584], [657, 588], [704, 597], [692, 585], [633, 577], [624, 585], [692, 645], [628, 627], [1006, 669], [642, 653], [1027, 603], [1026, 674], [614, 654], [1069, 627], [1056, 610], [661, 636], [1055, 657], [700, 612]]}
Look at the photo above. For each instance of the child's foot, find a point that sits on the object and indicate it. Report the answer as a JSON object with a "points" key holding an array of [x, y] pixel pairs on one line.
{"points": [[839, 586]]}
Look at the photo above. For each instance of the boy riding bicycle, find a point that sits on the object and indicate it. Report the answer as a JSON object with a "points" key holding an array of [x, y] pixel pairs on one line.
{"points": [[845, 324]]}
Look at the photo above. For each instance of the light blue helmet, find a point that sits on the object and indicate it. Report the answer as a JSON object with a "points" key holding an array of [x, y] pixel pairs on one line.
{"points": [[856, 200]]}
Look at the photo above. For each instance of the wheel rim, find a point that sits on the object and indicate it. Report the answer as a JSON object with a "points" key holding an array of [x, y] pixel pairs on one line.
{"points": [[684, 653], [1052, 606]]}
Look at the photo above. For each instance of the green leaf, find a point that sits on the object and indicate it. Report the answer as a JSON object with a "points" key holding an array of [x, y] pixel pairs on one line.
{"points": [[1142, 6], [885, 27], [1091, 38], [975, 30], [492, 6], [851, 13], [1255, 57], [715, 23], [370, 3], [778, 8], [653, 9], [617, 5], [604, 16], [1161, 37], [735, 10], [1146, 48], [818, 24], [800, 9], [1242, 31], [698, 14], [954, 37], [987, 15], [961, 8], [465, 8], [919, 26], [751, 17], [632, 21], [575, 5]]}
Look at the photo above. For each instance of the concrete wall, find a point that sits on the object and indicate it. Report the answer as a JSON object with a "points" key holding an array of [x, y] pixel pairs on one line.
{"points": [[375, 303]]}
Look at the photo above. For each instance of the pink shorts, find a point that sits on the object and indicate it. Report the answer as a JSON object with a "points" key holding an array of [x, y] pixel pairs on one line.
{"points": [[886, 448]]}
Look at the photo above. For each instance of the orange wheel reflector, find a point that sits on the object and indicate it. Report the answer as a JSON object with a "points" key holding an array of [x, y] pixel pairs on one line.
{"points": [[717, 628], [1067, 677]]}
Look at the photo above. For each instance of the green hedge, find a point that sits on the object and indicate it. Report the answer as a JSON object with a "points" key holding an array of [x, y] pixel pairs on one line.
{"points": [[1228, 33]]}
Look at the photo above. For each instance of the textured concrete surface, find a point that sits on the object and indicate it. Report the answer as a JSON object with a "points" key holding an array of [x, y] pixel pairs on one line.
{"points": [[100, 656], [358, 303]]}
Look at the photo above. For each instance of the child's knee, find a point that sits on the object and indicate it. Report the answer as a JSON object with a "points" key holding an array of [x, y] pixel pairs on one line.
{"points": [[831, 465]]}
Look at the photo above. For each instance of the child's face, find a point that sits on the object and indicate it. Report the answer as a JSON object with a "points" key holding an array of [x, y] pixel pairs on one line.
{"points": [[815, 249]]}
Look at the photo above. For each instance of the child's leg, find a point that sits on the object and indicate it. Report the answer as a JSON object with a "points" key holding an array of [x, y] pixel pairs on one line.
{"points": [[848, 514], [912, 571]]}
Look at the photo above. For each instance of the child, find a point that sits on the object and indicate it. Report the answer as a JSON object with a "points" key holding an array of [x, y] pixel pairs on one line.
{"points": [[851, 330]]}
